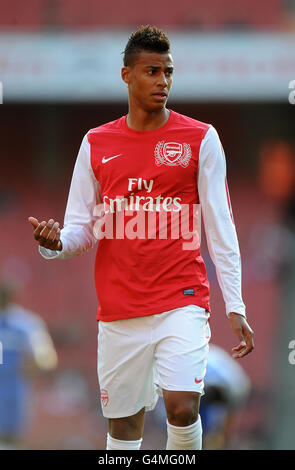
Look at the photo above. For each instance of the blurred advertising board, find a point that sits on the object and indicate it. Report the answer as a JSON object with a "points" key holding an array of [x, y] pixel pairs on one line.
{"points": [[64, 67]]}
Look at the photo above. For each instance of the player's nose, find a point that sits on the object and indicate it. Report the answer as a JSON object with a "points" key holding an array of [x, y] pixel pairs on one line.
{"points": [[163, 80]]}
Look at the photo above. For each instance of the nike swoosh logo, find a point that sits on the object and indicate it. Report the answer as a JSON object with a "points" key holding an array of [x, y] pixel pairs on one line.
{"points": [[198, 381], [104, 160]]}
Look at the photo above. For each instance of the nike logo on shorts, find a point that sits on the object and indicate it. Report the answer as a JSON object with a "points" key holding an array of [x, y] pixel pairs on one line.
{"points": [[105, 160], [198, 381]]}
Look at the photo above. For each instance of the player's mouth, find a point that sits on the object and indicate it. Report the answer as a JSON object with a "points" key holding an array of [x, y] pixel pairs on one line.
{"points": [[160, 96]]}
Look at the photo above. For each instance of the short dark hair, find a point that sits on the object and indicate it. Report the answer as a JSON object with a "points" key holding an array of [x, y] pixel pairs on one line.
{"points": [[146, 38]]}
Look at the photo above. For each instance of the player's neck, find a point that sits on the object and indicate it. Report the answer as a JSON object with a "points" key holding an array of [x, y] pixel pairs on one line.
{"points": [[141, 120]]}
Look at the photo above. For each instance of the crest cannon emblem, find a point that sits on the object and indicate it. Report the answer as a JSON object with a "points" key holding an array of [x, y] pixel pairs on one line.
{"points": [[172, 154], [104, 396]]}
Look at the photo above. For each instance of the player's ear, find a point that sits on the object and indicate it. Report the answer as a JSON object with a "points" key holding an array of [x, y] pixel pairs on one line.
{"points": [[125, 72]]}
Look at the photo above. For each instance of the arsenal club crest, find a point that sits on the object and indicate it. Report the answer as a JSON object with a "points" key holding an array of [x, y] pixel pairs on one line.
{"points": [[172, 154], [104, 396]]}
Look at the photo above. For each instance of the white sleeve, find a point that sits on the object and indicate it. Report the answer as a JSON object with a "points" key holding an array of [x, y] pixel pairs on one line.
{"points": [[219, 225], [77, 234]]}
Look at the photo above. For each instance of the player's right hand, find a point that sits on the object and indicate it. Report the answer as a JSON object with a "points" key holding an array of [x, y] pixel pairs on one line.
{"points": [[47, 234]]}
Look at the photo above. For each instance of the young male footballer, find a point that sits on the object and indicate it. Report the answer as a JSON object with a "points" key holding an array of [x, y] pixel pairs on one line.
{"points": [[151, 171]]}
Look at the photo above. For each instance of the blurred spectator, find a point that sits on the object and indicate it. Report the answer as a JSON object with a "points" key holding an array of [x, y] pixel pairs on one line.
{"points": [[275, 240], [277, 170], [26, 347]]}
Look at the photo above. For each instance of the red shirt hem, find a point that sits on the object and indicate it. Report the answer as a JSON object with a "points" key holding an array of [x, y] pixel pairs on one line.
{"points": [[158, 310]]}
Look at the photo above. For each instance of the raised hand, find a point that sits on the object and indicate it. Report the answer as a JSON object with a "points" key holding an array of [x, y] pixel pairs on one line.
{"points": [[47, 234]]}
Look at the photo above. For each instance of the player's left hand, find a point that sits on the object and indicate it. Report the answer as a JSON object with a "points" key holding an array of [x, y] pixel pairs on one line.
{"points": [[244, 333]]}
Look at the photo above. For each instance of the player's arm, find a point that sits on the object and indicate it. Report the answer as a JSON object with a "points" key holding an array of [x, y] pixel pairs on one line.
{"points": [[77, 235], [222, 237], [43, 349], [38, 347]]}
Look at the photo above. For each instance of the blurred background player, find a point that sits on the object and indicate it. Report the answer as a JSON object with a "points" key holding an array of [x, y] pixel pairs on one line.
{"points": [[27, 349], [227, 388]]}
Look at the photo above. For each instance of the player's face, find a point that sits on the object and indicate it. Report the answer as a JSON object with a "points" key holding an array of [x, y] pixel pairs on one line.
{"points": [[149, 80]]}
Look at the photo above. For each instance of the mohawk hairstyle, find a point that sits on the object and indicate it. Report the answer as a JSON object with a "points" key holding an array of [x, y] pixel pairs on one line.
{"points": [[146, 38]]}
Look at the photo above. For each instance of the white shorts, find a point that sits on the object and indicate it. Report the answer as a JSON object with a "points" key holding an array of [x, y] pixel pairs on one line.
{"points": [[138, 357]]}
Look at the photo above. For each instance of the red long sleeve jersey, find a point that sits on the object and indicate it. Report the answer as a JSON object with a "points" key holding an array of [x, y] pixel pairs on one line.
{"points": [[149, 172], [150, 184]]}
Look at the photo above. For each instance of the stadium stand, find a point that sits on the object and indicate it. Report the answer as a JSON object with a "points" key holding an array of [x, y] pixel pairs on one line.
{"points": [[74, 14]]}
